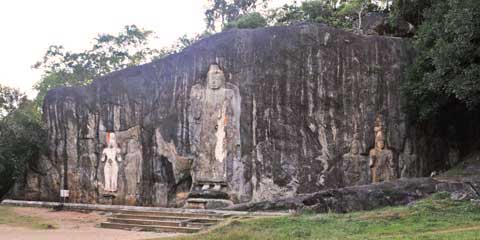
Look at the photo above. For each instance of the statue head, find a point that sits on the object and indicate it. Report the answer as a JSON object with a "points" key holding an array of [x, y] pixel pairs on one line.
{"points": [[215, 77], [408, 147], [355, 150], [111, 141], [380, 141]]}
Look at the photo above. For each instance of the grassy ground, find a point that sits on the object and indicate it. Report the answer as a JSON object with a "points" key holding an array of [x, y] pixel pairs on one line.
{"points": [[9, 217], [437, 217]]}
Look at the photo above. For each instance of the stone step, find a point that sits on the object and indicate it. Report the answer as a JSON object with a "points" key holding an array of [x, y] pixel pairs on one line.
{"points": [[176, 214], [169, 218], [184, 223], [204, 203], [152, 228]]}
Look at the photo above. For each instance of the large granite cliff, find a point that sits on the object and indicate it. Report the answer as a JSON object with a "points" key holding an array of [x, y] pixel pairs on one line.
{"points": [[299, 98]]}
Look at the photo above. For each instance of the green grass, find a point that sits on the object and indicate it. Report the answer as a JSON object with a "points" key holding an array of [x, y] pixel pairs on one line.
{"points": [[9, 217], [437, 217]]}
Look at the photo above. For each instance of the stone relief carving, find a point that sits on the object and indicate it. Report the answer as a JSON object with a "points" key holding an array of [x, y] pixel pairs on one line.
{"points": [[355, 164], [111, 156], [408, 161], [133, 166], [214, 114], [381, 158], [271, 163]]}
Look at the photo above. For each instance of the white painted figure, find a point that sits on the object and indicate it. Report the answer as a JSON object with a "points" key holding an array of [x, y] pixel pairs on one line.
{"points": [[111, 156]]}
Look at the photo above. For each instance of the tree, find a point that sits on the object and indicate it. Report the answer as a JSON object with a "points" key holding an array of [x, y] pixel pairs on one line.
{"points": [[109, 53], [410, 10], [446, 72], [249, 20], [184, 42], [222, 12], [285, 15], [22, 139], [10, 99], [358, 7], [336, 13], [329, 12]]}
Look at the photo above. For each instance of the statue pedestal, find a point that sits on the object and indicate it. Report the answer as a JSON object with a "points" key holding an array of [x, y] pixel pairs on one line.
{"points": [[208, 195], [205, 203], [107, 198]]}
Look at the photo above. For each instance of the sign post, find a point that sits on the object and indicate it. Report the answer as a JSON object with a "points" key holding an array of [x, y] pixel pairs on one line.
{"points": [[64, 194]]}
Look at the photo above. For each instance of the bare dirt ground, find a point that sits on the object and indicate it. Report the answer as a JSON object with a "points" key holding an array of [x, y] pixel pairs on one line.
{"points": [[69, 226]]}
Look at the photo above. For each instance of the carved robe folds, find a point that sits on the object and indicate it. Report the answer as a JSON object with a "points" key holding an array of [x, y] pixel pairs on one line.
{"points": [[355, 166], [215, 133], [214, 118], [381, 162]]}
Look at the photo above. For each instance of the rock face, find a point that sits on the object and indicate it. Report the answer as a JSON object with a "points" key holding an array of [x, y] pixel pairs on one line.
{"points": [[280, 122], [368, 197]]}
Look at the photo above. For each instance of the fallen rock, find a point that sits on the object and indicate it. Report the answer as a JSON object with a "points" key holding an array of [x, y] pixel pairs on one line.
{"points": [[368, 197]]}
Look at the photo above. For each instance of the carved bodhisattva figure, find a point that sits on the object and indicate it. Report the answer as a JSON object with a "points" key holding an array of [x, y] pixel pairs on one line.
{"points": [[111, 156], [214, 114], [133, 166], [355, 165], [408, 161], [381, 159]]}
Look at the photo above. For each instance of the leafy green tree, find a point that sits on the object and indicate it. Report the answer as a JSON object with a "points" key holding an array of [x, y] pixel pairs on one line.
{"points": [[10, 98], [285, 15], [320, 11], [22, 139], [183, 42], [336, 13], [249, 20], [222, 12], [410, 10], [446, 72], [357, 7], [109, 53]]}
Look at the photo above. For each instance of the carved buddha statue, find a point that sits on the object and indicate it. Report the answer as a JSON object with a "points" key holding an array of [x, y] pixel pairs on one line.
{"points": [[214, 129]]}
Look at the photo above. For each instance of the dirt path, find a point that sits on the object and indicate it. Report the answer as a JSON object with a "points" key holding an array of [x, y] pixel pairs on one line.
{"points": [[70, 226]]}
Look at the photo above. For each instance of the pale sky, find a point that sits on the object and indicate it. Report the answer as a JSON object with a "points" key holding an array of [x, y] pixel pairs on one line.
{"points": [[28, 27]]}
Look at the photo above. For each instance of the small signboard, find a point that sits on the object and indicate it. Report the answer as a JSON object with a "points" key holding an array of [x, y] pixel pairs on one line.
{"points": [[64, 193]]}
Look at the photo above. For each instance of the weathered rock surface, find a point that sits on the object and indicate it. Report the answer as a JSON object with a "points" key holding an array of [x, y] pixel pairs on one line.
{"points": [[379, 24], [368, 197], [294, 100]]}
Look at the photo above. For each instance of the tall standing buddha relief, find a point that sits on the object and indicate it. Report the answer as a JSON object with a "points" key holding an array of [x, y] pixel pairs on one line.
{"points": [[214, 120]]}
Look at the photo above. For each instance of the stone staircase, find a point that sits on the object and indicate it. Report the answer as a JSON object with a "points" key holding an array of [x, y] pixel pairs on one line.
{"points": [[157, 219], [163, 221]]}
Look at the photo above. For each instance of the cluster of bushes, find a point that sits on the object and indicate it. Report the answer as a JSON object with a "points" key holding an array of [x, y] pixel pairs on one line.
{"points": [[22, 137]]}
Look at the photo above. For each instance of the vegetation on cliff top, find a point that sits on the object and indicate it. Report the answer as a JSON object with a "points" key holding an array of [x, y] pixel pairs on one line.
{"points": [[437, 217]]}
